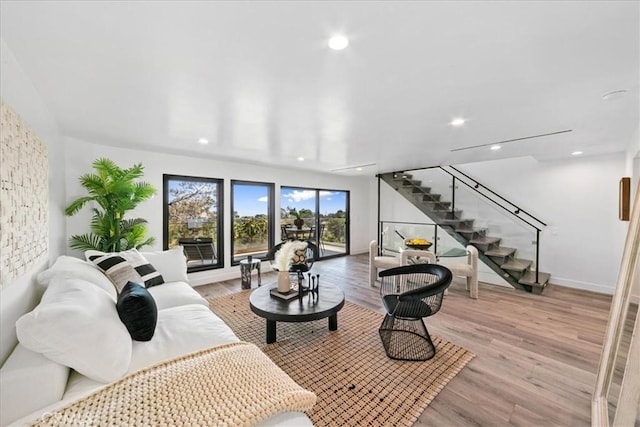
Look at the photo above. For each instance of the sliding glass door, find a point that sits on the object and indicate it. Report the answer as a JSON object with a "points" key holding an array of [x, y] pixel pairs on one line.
{"points": [[324, 218], [334, 208]]}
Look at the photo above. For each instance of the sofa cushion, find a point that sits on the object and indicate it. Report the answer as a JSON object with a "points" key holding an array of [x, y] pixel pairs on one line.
{"points": [[172, 264], [29, 381], [138, 311], [175, 294], [180, 330], [116, 267], [70, 267], [76, 324]]}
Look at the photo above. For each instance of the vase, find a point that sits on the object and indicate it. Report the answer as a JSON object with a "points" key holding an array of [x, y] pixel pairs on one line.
{"points": [[284, 284], [298, 222]]}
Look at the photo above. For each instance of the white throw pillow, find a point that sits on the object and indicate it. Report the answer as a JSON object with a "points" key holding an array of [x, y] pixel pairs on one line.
{"points": [[180, 330], [77, 325], [173, 294], [70, 267], [29, 381], [172, 264]]}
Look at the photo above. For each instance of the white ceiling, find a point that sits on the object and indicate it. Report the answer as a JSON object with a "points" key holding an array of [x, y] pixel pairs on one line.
{"points": [[259, 82]]}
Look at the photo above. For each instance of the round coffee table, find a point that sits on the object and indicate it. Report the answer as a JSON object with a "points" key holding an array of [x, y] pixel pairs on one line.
{"points": [[329, 301]]}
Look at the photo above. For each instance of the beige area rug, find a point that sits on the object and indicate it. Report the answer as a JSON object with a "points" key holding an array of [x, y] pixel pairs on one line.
{"points": [[348, 369]]}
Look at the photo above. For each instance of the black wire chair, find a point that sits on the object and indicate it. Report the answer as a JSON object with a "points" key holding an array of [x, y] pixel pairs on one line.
{"points": [[410, 293]]}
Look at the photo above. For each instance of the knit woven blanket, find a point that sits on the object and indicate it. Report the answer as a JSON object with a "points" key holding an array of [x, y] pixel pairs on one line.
{"points": [[233, 384]]}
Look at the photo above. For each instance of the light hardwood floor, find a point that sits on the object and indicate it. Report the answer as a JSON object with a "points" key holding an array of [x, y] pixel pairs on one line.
{"points": [[536, 355]]}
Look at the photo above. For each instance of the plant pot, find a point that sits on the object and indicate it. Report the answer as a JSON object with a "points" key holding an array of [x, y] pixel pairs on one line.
{"points": [[284, 284], [299, 222]]}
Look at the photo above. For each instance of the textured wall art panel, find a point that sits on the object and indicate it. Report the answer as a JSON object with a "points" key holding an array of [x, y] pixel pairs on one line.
{"points": [[24, 197]]}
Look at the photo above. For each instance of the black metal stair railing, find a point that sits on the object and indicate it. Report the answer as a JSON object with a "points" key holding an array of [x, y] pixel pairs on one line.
{"points": [[503, 203], [450, 214]]}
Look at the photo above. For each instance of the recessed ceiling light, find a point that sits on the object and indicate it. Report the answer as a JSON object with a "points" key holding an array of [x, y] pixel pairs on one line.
{"points": [[301, 159], [203, 141], [576, 153], [358, 169], [457, 122], [495, 147], [338, 42]]}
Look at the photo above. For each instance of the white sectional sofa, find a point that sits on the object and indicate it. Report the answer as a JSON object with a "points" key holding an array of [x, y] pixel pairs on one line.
{"points": [[73, 343]]}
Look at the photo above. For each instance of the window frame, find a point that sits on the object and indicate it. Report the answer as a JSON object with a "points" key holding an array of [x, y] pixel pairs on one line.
{"points": [[271, 210], [166, 178]]}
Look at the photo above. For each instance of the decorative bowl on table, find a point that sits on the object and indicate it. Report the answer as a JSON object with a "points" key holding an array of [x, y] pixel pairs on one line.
{"points": [[421, 244]]}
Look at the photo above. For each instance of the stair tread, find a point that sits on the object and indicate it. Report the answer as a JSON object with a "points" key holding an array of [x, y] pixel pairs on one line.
{"points": [[516, 264], [470, 230], [501, 251], [529, 279], [485, 240]]}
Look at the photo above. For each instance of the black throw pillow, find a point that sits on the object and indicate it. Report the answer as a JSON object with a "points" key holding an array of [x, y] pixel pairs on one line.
{"points": [[138, 311]]}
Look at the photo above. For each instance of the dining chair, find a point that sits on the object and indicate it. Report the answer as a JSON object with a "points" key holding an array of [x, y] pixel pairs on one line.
{"points": [[407, 256], [468, 269], [284, 235]]}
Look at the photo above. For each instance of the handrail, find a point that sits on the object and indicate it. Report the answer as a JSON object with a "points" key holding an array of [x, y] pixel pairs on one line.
{"points": [[518, 209], [491, 200]]}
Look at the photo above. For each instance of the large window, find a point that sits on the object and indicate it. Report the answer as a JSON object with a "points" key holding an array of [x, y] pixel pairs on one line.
{"points": [[252, 213], [193, 219], [325, 214]]}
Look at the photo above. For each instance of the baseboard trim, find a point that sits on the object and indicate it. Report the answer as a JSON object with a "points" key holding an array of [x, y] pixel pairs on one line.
{"points": [[586, 286], [220, 275]]}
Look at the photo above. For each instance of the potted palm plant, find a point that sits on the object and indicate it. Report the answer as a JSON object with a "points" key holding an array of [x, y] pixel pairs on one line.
{"points": [[114, 191], [298, 221]]}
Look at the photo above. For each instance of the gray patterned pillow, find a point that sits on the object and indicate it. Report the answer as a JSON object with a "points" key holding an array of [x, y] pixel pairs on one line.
{"points": [[117, 269]]}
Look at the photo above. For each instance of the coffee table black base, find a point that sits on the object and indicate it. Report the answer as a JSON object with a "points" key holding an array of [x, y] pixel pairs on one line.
{"points": [[271, 328]]}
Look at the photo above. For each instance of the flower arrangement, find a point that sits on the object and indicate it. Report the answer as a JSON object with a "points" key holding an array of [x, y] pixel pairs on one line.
{"points": [[284, 257]]}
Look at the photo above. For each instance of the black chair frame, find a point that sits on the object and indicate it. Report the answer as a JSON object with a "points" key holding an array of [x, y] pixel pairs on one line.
{"points": [[410, 293]]}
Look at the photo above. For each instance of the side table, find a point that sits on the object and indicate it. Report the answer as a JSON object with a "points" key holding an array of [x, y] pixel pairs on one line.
{"points": [[246, 266]]}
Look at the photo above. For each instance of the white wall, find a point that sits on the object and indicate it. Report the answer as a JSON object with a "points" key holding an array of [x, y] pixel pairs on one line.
{"points": [[80, 155], [578, 199], [19, 93]]}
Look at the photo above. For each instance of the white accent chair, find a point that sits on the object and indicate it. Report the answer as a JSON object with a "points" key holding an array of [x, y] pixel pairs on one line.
{"points": [[468, 270], [377, 262]]}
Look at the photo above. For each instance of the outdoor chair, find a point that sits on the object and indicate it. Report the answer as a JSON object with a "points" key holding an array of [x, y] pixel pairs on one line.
{"points": [[410, 293], [198, 249], [321, 238]]}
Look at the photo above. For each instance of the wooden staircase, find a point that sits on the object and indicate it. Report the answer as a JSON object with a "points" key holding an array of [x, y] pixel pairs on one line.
{"points": [[520, 273]]}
